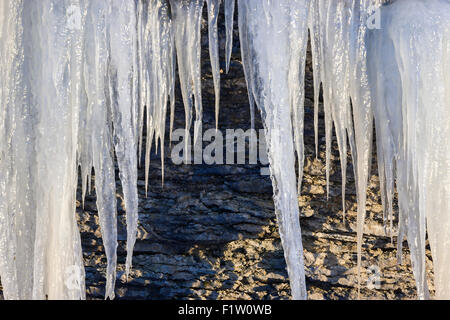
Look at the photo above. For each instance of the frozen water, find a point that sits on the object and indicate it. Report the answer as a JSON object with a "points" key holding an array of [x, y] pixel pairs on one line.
{"points": [[77, 78], [410, 59], [80, 79], [275, 74]]}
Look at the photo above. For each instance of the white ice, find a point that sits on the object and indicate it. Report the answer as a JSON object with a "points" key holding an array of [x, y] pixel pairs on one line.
{"points": [[275, 74], [77, 78], [410, 56]]}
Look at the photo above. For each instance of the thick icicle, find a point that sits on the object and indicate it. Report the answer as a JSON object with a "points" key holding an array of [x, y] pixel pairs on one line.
{"points": [[99, 131], [17, 191], [362, 115], [66, 108], [124, 100], [277, 88], [57, 253], [77, 77], [187, 18], [330, 44], [156, 54], [42, 235], [74, 92], [386, 90], [338, 32]]}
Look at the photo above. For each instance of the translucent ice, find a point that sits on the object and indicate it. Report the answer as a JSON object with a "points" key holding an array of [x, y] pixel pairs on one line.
{"points": [[275, 74], [229, 22], [156, 73], [77, 78], [338, 41], [412, 115], [187, 17]]}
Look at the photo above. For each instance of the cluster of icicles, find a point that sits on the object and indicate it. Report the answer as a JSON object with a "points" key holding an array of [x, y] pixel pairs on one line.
{"points": [[77, 78]]}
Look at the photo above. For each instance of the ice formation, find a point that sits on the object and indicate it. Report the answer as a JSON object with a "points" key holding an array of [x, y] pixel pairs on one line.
{"points": [[410, 65], [338, 31], [394, 72], [77, 79], [275, 77], [81, 79]]}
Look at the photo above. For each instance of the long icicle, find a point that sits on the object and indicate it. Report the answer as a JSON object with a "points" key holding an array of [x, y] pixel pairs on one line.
{"points": [[277, 88], [123, 66], [213, 15]]}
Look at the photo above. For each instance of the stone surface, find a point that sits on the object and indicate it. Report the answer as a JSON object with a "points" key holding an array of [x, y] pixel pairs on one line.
{"points": [[210, 232]]}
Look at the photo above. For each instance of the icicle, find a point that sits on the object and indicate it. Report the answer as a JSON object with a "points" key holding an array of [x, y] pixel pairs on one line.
{"points": [[315, 38], [229, 24], [213, 14], [276, 88], [362, 115], [17, 191], [57, 253], [186, 17], [299, 38], [245, 40], [165, 42], [386, 94], [338, 30], [413, 49], [156, 55], [123, 66], [331, 54], [142, 10], [98, 130]]}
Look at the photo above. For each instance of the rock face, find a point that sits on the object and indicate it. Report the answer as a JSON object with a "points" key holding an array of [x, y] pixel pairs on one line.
{"points": [[210, 232]]}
